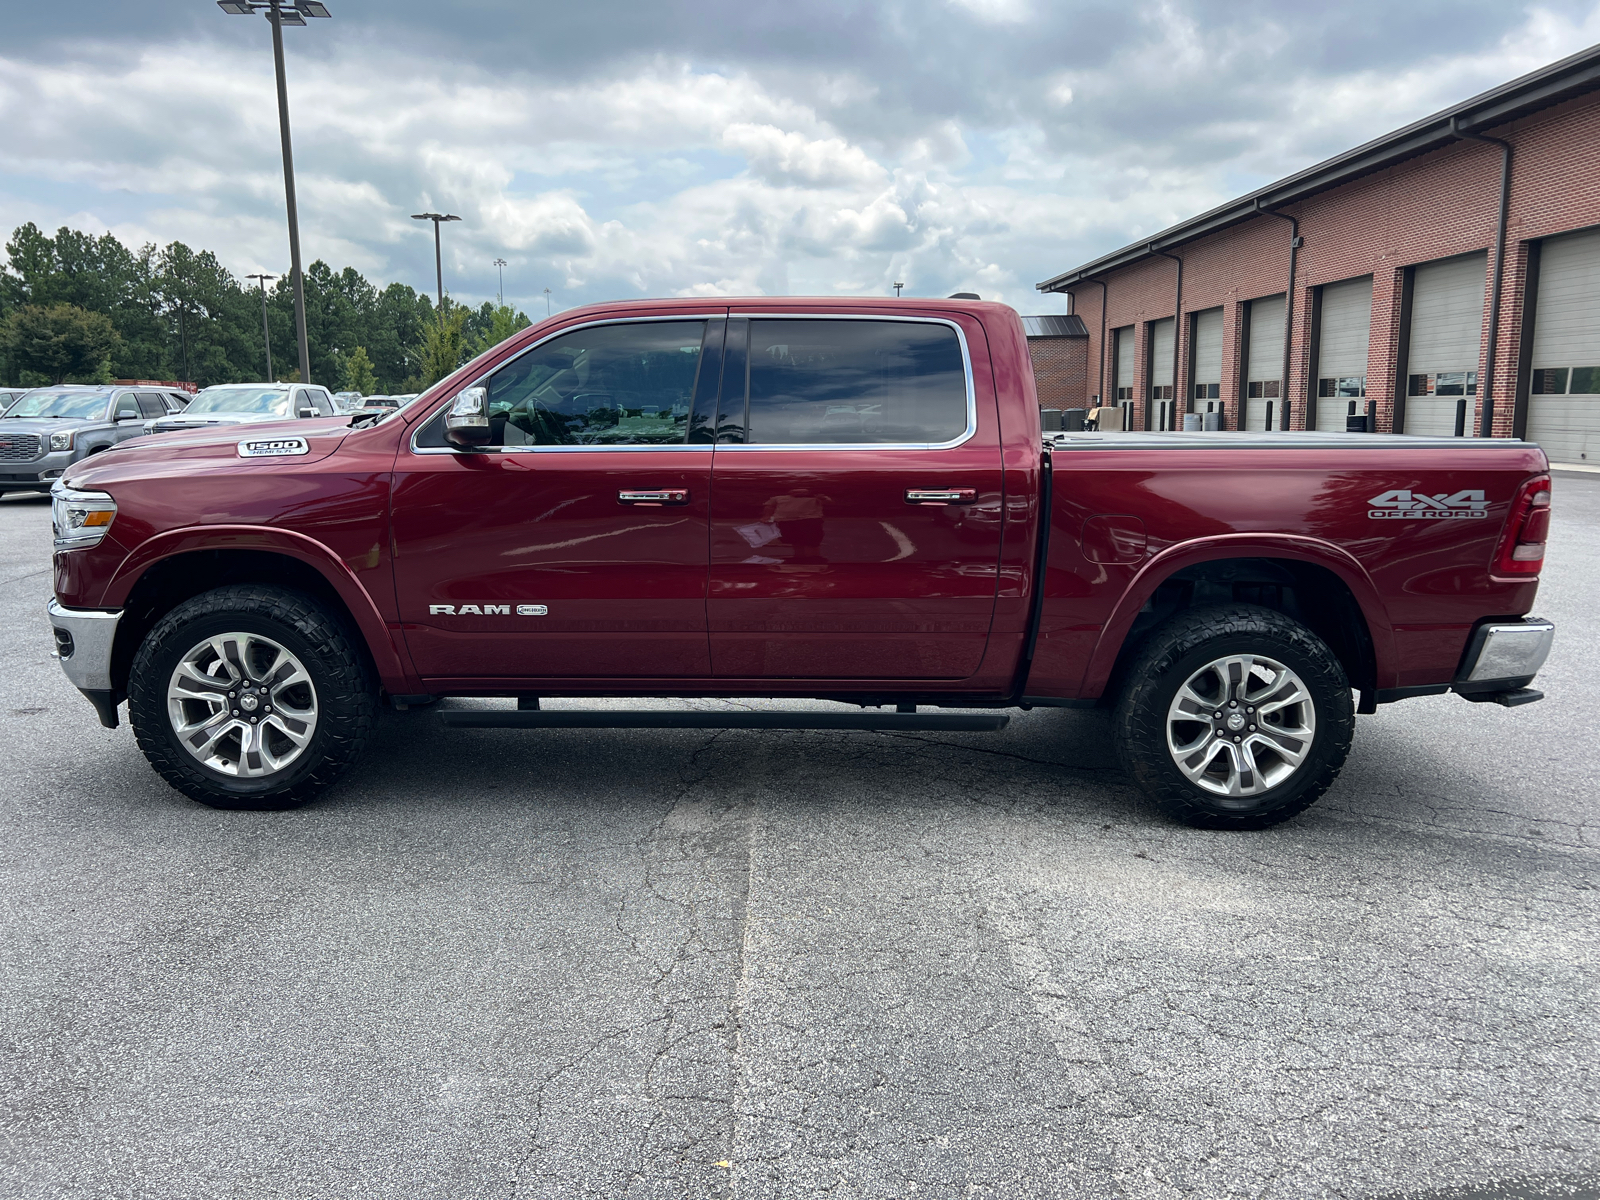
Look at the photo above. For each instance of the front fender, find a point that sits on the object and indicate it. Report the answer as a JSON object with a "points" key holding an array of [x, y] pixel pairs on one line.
{"points": [[386, 655], [1242, 545]]}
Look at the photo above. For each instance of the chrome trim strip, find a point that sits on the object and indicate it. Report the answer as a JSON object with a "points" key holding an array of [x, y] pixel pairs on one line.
{"points": [[966, 365], [88, 667]]}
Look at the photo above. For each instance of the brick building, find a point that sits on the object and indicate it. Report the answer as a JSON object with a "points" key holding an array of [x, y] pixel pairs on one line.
{"points": [[1059, 348], [1446, 275]]}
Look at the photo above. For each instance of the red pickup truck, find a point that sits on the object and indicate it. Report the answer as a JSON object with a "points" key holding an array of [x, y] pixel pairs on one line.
{"points": [[849, 500]]}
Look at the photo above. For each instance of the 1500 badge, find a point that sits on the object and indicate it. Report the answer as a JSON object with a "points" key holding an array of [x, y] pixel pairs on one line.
{"points": [[1403, 504], [487, 610]]}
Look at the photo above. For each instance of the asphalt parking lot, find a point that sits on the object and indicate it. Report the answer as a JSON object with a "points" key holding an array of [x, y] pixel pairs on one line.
{"points": [[682, 964]]}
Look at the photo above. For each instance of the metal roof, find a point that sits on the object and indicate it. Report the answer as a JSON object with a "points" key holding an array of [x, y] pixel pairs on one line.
{"points": [[1539, 89], [1055, 326]]}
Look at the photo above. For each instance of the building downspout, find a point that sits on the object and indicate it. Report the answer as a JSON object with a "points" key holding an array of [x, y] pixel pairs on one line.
{"points": [[1177, 340], [1486, 385], [1104, 291], [1288, 311]]}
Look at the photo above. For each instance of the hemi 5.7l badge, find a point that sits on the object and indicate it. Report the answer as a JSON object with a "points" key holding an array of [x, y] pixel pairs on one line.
{"points": [[273, 447], [1402, 504], [487, 610]]}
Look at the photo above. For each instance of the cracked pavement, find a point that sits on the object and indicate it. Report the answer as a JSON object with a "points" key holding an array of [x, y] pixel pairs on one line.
{"points": [[659, 963]]}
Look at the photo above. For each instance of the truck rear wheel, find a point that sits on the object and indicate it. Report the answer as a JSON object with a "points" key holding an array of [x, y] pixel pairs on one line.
{"points": [[1234, 717], [250, 697]]}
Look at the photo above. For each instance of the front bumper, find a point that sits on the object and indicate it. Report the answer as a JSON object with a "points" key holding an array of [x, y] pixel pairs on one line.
{"points": [[40, 473], [1502, 658], [84, 638]]}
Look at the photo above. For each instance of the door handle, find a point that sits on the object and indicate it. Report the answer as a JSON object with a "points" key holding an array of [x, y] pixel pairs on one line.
{"points": [[653, 497], [960, 495]]}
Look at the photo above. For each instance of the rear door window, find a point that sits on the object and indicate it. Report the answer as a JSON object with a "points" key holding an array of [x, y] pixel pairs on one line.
{"points": [[151, 405], [844, 382]]}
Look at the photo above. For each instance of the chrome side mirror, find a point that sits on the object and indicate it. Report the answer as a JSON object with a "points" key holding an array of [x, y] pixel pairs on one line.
{"points": [[466, 426]]}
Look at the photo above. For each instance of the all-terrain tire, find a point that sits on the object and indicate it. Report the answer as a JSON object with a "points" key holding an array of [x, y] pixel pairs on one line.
{"points": [[1169, 659], [345, 695]]}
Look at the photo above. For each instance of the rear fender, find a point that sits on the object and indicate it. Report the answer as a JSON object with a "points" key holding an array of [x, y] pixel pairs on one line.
{"points": [[1225, 546]]}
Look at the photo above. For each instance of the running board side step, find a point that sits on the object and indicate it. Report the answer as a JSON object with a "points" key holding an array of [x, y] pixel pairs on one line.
{"points": [[728, 719]]}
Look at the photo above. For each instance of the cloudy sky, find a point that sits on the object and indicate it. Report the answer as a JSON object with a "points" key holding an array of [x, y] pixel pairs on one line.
{"points": [[653, 147]]}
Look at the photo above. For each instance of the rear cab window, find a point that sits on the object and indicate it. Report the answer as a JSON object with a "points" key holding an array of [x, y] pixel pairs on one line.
{"points": [[832, 382]]}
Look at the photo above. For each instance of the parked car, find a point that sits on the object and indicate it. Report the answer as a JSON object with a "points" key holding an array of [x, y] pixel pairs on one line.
{"points": [[830, 499], [46, 430], [346, 401], [249, 403]]}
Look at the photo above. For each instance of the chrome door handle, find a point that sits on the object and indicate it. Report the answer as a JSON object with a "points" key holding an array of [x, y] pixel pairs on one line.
{"points": [[941, 495], [653, 497]]}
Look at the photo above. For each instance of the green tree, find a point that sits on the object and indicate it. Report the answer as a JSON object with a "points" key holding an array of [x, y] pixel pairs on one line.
{"points": [[493, 324], [60, 342], [444, 343], [358, 375]]}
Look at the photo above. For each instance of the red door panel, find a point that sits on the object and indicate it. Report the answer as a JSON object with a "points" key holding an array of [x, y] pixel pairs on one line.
{"points": [[821, 568], [623, 584]]}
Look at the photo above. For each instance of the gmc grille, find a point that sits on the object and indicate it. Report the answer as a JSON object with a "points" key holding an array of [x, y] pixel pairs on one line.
{"points": [[19, 447]]}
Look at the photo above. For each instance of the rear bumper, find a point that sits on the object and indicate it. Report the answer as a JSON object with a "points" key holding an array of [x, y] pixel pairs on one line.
{"points": [[1503, 656]]}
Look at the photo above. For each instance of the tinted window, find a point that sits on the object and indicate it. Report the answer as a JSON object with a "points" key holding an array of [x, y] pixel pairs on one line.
{"points": [[127, 406], [321, 402], [150, 405], [609, 385], [841, 382]]}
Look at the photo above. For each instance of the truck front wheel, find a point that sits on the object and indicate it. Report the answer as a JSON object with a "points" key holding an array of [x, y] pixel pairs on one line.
{"points": [[250, 696], [1234, 717]]}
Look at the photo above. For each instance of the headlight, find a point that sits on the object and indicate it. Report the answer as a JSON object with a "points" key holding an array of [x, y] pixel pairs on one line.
{"points": [[61, 441], [80, 519]]}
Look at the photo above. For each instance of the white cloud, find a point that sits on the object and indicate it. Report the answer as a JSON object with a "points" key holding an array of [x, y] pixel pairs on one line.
{"points": [[966, 161]]}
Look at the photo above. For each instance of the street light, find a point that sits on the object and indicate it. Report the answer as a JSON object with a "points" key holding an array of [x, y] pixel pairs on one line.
{"points": [[280, 13], [897, 288], [547, 302], [266, 330], [438, 262], [501, 295]]}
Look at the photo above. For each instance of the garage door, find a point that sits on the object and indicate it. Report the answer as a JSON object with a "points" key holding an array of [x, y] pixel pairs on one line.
{"points": [[1564, 410], [1342, 352], [1206, 387], [1123, 378], [1446, 335], [1161, 372], [1265, 364]]}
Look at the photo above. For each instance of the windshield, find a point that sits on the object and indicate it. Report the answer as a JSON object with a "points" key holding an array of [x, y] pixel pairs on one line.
{"points": [[81, 406], [273, 401]]}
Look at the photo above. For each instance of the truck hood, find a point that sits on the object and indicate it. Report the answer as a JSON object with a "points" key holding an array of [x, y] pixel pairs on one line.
{"points": [[179, 420], [45, 425], [206, 449]]}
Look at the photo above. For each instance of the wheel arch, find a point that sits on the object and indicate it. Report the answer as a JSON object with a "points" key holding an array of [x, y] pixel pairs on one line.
{"points": [[1330, 593], [170, 569]]}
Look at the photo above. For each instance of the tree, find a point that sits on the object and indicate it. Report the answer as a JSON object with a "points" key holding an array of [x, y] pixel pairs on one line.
{"points": [[493, 324], [358, 376], [60, 341], [444, 343]]}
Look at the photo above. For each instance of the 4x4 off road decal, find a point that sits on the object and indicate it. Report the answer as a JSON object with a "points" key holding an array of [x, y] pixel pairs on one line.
{"points": [[1402, 504]]}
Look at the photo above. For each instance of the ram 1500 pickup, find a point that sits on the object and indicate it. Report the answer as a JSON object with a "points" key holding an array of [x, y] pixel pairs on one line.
{"points": [[840, 499]]}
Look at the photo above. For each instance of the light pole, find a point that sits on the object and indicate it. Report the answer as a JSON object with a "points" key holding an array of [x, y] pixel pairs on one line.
{"points": [[897, 288], [500, 296], [438, 261], [547, 302], [280, 13], [266, 330]]}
